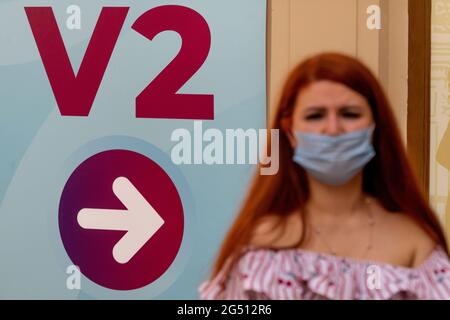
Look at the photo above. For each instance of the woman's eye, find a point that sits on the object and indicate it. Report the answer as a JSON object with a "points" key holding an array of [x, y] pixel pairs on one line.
{"points": [[314, 116], [351, 115]]}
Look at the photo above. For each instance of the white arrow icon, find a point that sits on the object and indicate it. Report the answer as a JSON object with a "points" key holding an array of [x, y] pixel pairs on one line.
{"points": [[140, 219]]}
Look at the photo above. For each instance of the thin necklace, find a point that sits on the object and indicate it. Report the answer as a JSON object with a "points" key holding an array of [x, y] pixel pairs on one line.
{"points": [[370, 223]]}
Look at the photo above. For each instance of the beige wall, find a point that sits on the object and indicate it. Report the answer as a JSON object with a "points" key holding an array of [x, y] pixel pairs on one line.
{"points": [[440, 111], [299, 28]]}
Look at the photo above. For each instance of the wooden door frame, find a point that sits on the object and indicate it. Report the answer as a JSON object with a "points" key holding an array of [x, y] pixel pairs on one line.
{"points": [[418, 112]]}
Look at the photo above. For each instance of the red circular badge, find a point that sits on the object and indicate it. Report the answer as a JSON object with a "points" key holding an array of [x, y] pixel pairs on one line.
{"points": [[121, 219]]}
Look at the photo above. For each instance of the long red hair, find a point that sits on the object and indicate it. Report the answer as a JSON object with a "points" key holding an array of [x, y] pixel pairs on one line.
{"points": [[388, 177]]}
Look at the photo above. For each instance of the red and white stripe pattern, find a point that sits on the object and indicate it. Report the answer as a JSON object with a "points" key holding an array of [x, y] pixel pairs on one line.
{"points": [[300, 274]]}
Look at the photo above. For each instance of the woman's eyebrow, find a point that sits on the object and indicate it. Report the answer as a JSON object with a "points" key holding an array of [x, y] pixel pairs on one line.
{"points": [[351, 107], [315, 108], [345, 107]]}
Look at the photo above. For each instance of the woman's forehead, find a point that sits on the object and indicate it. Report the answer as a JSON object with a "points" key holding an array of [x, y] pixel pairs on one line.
{"points": [[328, 93]]}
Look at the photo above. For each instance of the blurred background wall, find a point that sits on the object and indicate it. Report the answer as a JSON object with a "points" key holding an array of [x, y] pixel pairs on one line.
{"points": [[440, 110]]}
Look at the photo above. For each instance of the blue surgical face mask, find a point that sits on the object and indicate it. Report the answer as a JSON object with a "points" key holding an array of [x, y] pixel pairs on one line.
{"points": [[334, 160]]}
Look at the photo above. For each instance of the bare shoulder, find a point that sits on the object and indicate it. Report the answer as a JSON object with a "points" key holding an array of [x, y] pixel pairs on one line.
{"points": [[277, 231], [411, 236]]}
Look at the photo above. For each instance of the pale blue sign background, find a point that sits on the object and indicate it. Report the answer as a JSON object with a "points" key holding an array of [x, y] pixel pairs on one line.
{"points": [[40, 149]]}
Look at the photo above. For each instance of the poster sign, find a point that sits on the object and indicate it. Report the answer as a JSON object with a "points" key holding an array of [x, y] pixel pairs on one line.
{"points": [[120, 128]]}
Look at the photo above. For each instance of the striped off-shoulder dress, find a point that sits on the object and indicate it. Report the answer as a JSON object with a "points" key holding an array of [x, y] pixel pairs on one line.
{"points": [[262, 273]]}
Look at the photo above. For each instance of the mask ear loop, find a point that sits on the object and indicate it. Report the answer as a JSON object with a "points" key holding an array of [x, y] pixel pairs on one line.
{"points": [[372, 132], [286, 124]]}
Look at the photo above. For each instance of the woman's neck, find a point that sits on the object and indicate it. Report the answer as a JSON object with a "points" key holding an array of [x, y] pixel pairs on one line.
{"points": [[336, 201]]}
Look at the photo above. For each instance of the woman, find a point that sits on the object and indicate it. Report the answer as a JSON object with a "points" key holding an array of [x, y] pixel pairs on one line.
{"points": [[344, 217]]}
